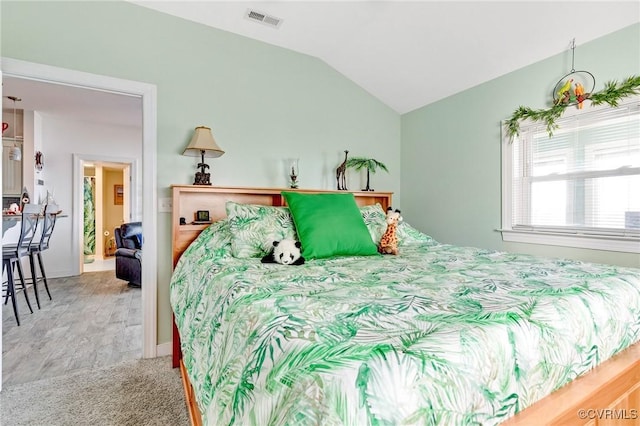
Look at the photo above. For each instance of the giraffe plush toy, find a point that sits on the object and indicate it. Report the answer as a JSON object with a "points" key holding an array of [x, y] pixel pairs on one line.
{"points": [[389, 240]]}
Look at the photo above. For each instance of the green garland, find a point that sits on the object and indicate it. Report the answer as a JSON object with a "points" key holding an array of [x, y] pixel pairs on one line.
{"points": [[611, 94]]}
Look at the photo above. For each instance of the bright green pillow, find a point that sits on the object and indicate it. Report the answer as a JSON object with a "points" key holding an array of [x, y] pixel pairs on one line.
{"points": [[329, 225]]}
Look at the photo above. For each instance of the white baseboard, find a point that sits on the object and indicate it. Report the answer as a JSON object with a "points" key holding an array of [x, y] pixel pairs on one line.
{"points": [[59, 273], [164, 349]]}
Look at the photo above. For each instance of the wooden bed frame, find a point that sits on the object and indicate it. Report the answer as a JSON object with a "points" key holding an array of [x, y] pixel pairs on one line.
{"points": [[607, 395]]}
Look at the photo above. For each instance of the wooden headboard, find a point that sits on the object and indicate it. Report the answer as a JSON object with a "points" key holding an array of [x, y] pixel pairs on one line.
{"points": [[188, 199]]}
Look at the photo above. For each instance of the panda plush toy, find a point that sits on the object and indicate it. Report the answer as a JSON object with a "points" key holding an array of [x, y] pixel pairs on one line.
{"points": [[285, 252]]}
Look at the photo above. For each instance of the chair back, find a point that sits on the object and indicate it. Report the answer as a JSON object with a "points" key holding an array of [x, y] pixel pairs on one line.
{"points": [[129, 235], [49, 222], [28, 225]]}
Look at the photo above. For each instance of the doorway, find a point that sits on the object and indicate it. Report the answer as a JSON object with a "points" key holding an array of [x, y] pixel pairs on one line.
{"points": [[147, 93], [107, 205]]}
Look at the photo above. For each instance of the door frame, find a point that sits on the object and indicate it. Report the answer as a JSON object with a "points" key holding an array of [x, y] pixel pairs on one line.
{"points": [[131, 200], [148, 92]]}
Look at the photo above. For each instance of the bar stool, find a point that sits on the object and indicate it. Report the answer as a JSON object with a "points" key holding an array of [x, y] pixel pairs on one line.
{"points": [[38, 246], [13, 254]]}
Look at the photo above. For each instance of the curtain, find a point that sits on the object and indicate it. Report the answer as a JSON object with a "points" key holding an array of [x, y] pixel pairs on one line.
{"points": [[89, 216]]}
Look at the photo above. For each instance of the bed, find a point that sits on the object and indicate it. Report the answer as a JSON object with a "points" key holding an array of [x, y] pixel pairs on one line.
{"points": [[436, 335]]}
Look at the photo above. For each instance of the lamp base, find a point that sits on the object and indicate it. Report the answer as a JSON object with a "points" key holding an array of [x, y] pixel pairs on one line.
{"points": [[202, 179]]}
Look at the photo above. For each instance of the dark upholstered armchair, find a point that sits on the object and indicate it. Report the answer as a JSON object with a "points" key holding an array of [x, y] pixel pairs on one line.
{"points": [[129, 253]]}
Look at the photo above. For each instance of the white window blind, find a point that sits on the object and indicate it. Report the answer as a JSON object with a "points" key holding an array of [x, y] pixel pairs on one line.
{"points": [[585, 179]]}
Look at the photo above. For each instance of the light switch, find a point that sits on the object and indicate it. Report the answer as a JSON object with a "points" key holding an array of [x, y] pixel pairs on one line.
{"points": [[165, 205]]}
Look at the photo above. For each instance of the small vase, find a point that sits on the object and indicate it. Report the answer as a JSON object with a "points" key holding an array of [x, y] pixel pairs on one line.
{"points": [[293, 173]]}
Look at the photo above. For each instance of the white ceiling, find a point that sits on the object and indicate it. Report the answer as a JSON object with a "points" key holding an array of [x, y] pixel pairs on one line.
{"points": [[61, 100], [406, 53], [411, 53]]}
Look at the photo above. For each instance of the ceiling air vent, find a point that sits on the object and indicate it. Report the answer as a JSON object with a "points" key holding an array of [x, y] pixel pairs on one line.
{"points": [[263, 18]]}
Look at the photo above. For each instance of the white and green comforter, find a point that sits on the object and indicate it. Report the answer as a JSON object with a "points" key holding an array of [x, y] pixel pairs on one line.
{"points": [[437, 335]]}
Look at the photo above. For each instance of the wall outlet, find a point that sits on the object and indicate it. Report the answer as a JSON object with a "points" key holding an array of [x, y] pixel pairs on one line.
{"points": [[165, 205]]}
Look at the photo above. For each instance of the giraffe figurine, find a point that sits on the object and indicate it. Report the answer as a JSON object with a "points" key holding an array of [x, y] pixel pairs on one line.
{"points": [[389, 240], [341, 174]]}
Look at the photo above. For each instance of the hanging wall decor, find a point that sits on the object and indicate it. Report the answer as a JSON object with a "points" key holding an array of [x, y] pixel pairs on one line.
{"points": [[39, 157], [572, 90], [118, 195]]}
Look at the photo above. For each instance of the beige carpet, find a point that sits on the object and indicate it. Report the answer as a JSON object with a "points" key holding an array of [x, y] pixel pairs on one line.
{"points": [[140, 392]]}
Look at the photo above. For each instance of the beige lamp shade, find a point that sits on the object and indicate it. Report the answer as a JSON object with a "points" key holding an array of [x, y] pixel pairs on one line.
{"points": [[202, 143]]}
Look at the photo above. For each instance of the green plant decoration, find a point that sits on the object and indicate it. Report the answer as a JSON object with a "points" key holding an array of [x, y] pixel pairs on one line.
{"points": [[612, 93], [370, 164]]}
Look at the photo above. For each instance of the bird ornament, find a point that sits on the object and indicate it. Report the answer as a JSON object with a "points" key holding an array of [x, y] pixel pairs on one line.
{"points": [[563, 94], [580, 96]]}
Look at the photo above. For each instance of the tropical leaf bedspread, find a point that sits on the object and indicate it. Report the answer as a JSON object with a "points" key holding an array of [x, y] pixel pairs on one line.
{"points": [[436, 335]]}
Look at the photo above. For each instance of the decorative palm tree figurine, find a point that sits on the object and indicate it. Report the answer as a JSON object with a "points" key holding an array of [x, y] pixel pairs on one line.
{"points": [[370, 164]]}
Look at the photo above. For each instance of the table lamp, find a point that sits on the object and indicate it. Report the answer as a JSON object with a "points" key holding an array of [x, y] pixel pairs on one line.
{"points": [[203, 144]]}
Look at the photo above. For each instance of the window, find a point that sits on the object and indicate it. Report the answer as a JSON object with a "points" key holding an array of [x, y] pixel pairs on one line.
{"points": [[579, 187]]}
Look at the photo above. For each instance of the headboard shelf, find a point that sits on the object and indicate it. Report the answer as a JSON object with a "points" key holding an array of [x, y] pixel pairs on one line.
{"points": [[188, 199]]}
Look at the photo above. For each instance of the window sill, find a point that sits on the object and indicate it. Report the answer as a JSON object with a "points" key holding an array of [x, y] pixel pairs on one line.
{"points": [[621, 244]]}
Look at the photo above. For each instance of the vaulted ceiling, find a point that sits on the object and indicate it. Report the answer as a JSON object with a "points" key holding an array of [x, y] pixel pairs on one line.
{"points": [[412, 53], [406, 53]]}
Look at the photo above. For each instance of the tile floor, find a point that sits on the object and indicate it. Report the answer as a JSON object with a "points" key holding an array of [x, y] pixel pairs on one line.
{"points": [[94, 320], [100, 264]]}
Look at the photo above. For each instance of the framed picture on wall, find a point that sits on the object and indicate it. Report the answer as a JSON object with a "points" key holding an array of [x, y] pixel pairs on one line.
{"points": [[118, 195]]}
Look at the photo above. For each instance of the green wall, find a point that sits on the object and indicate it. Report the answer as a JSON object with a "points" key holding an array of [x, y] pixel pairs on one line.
{"points": [[263, 103], [451, 149]]}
